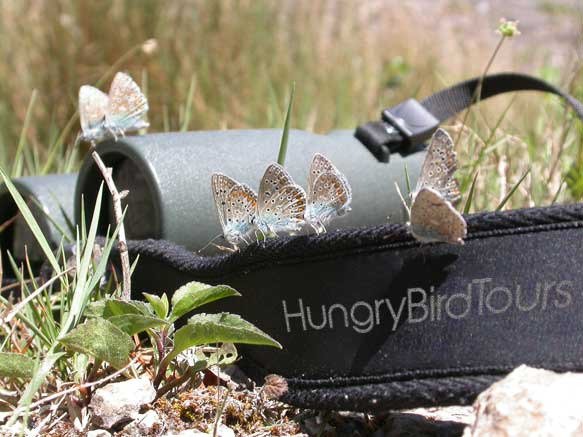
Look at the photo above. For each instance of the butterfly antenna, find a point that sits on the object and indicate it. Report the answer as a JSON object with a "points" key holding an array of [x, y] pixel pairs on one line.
{"points": [[208, 244], [402, 199]]}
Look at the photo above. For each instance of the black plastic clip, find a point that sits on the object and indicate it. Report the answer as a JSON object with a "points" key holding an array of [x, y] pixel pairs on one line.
{"points": [[415, 123], [402, 128]]}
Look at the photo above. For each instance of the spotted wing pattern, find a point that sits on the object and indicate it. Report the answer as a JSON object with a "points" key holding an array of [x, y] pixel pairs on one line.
{"points": [[328, 198], [320, 165], [92, 109], [329, 193], [433, 218], [236, 205], [127, 105], [439, 167], [282, 203]]}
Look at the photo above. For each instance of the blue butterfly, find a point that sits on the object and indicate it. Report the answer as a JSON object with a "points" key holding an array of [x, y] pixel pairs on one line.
{"points": [[433, 217], [112, 115], [236, 205], [281, 204], [329, 193]]}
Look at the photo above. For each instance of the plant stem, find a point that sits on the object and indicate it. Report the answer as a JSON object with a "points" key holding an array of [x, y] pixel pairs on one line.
{"points": [[478, 92], [220, 409], [175, 383], [117, 211]]}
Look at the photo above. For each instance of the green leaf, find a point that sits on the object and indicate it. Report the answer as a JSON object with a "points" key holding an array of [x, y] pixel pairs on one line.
{"points": [[159, 304], [101, 339], [195, 294], [219, 328], [117, 307], [134, 323], [95, 309], [14, 365], [224, 355]]}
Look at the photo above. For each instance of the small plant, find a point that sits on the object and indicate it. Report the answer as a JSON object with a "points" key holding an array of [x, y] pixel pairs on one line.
{"points": [[72, 330], [157, 318]]}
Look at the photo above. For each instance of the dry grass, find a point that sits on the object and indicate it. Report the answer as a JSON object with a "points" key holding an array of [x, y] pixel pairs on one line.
{"points": [[228, 64]]}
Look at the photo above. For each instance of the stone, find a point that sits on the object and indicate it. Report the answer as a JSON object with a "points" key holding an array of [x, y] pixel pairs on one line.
{"points": [[121, 401], [148, 423], [187, 433], [224, 431], [98, 433], [530, 402]]}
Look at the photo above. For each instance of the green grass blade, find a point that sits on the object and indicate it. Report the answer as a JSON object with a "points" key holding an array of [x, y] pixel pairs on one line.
{"points": [[285, 134], [187, 114], [62, 231], [407, 181], [511, 192], [470, 198], [18, 163], [559, 190], [81, 293]]}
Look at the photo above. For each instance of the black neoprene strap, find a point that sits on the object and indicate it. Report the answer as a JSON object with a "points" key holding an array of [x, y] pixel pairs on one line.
{"points": [[411, 123]]}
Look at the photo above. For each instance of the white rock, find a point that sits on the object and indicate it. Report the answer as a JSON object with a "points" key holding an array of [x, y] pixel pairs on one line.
{"points": [[145, 424], [188, 433], [98, 433], [530, 402], [121, 401], [224, 431]]}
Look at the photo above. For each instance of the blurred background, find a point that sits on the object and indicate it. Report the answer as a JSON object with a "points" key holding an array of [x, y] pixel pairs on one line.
{"points": [[229, 64]]}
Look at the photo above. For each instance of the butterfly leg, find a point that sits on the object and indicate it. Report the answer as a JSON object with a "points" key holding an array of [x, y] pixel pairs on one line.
{"points": [[112, 132], [314, 227]]}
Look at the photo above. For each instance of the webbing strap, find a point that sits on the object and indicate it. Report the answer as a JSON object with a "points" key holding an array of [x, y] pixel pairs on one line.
{"points": [[411, 123]]}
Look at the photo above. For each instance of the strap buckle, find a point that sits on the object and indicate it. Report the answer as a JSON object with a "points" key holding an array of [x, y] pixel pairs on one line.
{"points": [[402, 128]]}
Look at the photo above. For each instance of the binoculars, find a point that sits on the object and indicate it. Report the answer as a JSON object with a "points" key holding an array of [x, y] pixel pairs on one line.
{"points": [[168, 178]]}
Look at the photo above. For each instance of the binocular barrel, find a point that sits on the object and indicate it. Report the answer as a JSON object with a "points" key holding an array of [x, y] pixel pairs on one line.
{"points": [[168, 176], [50, 199]]}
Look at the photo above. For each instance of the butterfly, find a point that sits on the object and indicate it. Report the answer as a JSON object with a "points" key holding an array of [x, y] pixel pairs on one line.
{"points": [[104, 115], [281, 204], [236, 205], [329, 193], [433, 217]]}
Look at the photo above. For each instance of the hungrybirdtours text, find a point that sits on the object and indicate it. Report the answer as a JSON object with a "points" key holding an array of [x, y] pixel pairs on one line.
{"points": [[481, 297]]}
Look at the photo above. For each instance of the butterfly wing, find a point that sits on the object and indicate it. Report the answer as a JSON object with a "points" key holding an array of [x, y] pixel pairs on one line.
{"points": [[127, 104], [282, 203], [321, 165], [242, 207], [439, 166], [433, 218], [221, 185], [92, 108], [329, 197], [236, 205]]}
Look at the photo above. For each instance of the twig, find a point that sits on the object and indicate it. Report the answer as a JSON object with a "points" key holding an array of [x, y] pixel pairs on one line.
{"points": [[121, 236]]}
